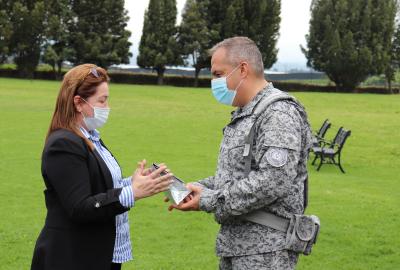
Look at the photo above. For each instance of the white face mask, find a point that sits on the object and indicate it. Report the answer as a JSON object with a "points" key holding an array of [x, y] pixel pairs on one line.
{"points": [[100, 116]]}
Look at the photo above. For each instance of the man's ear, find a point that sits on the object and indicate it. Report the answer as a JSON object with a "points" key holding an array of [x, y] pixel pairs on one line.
{"points": [[78, 103], [244, 69]]}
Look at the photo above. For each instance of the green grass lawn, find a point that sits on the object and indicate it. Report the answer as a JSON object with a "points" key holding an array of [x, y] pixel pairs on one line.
{"points": [[359, 210]]}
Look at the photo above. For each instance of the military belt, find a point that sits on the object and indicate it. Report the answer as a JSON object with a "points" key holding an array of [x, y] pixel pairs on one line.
{"points": [[268, 219]]}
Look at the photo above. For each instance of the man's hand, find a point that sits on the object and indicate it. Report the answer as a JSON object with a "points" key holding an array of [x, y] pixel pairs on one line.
{"points": [[191, 202]]}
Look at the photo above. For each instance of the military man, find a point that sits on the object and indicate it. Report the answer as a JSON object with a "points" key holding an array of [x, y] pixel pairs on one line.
{"points": [[275, 181]]}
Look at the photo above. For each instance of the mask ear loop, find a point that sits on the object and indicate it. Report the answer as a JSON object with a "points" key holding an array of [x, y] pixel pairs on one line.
{"points": [[240, 83], [233, 70], [89, 105]]}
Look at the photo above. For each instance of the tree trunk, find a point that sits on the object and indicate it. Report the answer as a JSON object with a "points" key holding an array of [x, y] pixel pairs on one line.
{"points": [[344, 83], [390, 77], [26, 64], [160, 76], [389, 83], [53, 67], [196, 76], [25, 72], [345, 87], [59, 67]]}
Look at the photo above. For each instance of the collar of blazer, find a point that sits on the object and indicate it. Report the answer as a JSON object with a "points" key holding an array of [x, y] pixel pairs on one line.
{"points": [[103, 166]]}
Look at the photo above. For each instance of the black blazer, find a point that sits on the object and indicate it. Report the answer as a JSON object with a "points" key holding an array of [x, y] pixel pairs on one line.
{"points": [[79, 231]]}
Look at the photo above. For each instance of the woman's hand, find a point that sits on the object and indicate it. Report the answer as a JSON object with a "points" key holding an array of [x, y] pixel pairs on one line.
{"points": [[147, 183]]}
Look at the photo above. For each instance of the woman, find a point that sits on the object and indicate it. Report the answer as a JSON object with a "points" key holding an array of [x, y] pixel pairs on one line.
{"points": [[86, 197]]}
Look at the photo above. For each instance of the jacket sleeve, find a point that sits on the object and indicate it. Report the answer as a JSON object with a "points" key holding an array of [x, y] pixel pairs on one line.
{"points": [[277, 154], [66, 170], [207, 182]]}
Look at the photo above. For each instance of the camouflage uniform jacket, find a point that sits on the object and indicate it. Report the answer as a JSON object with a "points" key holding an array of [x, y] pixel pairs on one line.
{"points": [[275, 183]]}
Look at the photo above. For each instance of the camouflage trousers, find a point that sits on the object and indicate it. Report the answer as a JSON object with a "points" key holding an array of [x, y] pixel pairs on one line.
{"points": [[277, 260]]}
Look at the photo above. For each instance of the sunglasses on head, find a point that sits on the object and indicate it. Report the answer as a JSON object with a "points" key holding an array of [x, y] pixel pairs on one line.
{"points": [[94, 72]]}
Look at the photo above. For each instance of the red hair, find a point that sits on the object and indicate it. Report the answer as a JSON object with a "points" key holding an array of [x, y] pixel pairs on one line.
{"points": [[80, 81]]}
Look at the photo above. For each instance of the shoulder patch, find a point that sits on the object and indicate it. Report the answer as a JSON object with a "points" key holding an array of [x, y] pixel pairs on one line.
{"points": [[277, 157]]}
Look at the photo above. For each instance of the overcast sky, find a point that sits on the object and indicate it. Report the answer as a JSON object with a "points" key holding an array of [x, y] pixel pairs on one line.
{"points": [[295, 15]]}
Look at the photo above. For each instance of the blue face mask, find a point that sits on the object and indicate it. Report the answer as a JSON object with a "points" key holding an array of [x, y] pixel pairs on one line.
{"points": [[221, 91]]}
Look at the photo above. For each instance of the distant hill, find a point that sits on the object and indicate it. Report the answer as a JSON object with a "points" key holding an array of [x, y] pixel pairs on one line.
{"points": [[186, 71]]}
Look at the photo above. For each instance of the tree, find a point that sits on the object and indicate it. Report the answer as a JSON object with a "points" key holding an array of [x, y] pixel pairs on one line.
{"points": [[158, 45], [256, 19], [350, 40], [394, 63], [194, 37], [98, 33], [214, 11], [6, 29], [27, 19], [57, 50], [5, 35]]}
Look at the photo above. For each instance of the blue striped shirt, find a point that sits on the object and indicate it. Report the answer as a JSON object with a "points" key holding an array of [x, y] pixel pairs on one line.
{"points": [[122, 248]]}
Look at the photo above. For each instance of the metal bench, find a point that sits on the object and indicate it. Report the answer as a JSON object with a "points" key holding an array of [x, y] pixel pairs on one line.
{"points": [[318, 137], [327, 152]]}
